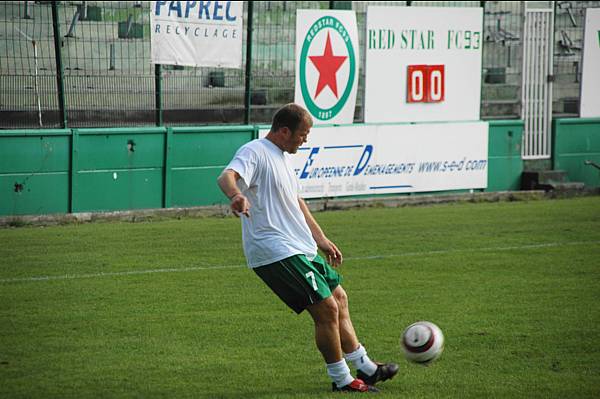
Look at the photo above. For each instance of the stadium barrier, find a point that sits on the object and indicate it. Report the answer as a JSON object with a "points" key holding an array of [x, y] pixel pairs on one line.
{"points": [[107, 169], [49, 171], [35, 172], [576, 149], [505, 164]]}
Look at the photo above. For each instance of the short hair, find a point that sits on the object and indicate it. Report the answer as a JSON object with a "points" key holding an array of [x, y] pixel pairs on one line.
{"points": [[290, 116]]}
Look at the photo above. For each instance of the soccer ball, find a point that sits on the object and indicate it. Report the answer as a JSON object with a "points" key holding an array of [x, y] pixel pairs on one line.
{"points": [[422, 342]]}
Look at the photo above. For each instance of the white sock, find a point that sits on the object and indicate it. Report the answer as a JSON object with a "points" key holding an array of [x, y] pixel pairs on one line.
{"points": [[339, 373], [361, 361]]}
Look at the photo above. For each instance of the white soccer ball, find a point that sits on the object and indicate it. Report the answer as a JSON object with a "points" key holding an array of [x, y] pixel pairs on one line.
{"points": [[422, 342]]}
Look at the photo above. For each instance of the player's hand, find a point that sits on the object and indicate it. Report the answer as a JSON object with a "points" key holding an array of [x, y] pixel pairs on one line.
{"points": [[333, 254], [240, 205]]}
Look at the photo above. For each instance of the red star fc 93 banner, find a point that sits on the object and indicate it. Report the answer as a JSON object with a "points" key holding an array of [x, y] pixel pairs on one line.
{"points": [[327, 60], [423, 64], [197, 33]]}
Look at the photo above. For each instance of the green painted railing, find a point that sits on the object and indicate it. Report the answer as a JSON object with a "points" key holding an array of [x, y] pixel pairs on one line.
{"points": [[576, 147], [84, 170], [111, 169], [505, 164]]}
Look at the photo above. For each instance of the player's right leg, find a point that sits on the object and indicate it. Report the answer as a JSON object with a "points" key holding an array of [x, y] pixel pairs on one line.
{"points": [[301, 284], [327, 329]]}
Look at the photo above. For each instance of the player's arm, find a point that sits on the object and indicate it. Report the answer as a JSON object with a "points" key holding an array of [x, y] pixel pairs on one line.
{"points": [[227, 182], [334, 255]]}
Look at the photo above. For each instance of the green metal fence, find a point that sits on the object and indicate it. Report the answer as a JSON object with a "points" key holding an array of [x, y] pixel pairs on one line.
{"points": [[105, 49], [568, 50], [577, 149], [46, 171], [106, 78]]}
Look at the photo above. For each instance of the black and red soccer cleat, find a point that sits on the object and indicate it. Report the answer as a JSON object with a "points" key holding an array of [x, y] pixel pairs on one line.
{"points": [[384, 372], [357, 386]]}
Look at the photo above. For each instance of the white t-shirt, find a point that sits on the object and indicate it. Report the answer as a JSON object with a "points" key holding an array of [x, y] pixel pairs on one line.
{"points": [[276, 228]]}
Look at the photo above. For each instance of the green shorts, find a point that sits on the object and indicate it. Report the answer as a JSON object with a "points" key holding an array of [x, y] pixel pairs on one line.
{"points": [[298, 282]]}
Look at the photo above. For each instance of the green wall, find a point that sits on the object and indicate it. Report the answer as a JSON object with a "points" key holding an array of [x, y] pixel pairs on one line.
{"points": [[110, 169], [505, 164], [193, 183], [119, 168], [576, 140], [34, 171]]}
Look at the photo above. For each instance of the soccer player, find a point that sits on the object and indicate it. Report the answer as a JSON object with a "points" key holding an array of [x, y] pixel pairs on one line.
{"points": [[280, 239]]}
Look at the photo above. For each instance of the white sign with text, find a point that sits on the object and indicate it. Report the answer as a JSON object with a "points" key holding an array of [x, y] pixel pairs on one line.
{"points": [[423, 64], [197, 33], [384, 159], [590, 80]]}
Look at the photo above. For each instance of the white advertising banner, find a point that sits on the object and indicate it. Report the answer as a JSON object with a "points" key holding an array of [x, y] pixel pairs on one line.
{"points": [[590, 80], [327, 60], [423, 64], [385, 159], [197, 33]]}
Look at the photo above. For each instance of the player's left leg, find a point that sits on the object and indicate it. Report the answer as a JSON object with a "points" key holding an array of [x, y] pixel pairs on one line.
{"points": [[369, 371]]}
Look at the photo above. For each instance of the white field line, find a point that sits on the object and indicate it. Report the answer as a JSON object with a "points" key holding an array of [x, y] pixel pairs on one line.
{"points": [[356, 258]]}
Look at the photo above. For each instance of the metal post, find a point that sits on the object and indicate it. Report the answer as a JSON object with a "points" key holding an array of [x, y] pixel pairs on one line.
{"points": [[74, 21], [28, 11], [37, 87], [111, 66], [74, 168], [166, 199], [158, 94], [248, 89], [84, 10], [340, 5], [482, 5], [60, 86], [36, 84]]}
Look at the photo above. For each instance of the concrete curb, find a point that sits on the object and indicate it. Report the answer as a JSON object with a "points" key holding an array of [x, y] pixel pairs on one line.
{"points": [[142, 215], [427, 199]]}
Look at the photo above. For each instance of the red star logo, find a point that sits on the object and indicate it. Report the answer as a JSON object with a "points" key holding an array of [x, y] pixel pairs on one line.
{"points": [[328, 65]]}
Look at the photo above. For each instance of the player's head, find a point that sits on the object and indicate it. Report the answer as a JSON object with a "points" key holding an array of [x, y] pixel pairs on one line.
{"points": [[292, 123]]}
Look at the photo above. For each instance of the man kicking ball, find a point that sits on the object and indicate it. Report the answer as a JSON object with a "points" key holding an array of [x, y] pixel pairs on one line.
{"points": [[280, 239]]}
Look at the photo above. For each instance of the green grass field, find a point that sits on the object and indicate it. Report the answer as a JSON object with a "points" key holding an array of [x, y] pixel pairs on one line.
{"points": [[167, 309]]}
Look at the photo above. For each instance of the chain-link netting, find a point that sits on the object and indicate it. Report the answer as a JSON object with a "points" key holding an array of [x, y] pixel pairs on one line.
{"points": [[28, 94], [108, 78]]}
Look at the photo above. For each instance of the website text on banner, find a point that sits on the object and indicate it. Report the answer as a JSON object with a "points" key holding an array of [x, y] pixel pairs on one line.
{"points": [[423, 64], [385, 159], [197, 33]]}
